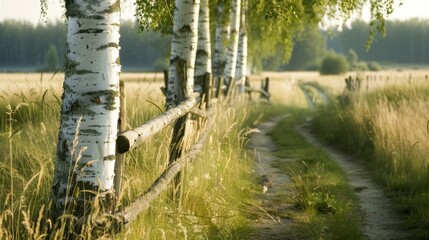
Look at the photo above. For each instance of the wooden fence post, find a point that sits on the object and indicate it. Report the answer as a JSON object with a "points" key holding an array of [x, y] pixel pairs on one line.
{"points": [[207, 88], [219, 87], [212, 86], [262, 88], [164, 89], [230, 87], [247, 85], [122, 123], [267, 85], [179, 143]]}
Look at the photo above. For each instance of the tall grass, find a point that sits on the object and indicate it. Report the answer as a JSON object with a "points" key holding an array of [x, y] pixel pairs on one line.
{"points": [[389, 127], [215, 188]]}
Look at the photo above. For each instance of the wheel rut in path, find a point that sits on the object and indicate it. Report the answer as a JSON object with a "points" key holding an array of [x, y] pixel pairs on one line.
{"points": [[380, 221], [275, 222]]}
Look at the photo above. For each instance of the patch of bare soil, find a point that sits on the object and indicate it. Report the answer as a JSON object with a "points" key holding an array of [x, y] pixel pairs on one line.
{"points": [[380, 221], [274, 220]]}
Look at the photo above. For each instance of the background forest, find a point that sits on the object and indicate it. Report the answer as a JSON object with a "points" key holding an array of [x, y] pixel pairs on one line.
{"points": [[26, 47]]}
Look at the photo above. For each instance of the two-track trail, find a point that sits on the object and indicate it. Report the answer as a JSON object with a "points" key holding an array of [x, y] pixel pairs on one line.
{"points": [[380, 222]]}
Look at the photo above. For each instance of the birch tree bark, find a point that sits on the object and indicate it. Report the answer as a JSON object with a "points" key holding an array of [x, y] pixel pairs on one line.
{"points": [[222, 39], [181, 77], [203, 62], [85, 160], [231, 60], [183, 48], [241, 71]]}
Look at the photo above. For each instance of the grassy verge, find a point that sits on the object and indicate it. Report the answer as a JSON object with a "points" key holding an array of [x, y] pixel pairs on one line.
{"points": [[329, 206], [389, 128]]}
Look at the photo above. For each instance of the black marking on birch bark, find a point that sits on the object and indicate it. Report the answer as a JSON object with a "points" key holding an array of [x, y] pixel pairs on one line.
{"points": [[111, 44], [95, 126], [185, 29], [96, 100], [90, 30], [70, 66], [96, 17], [73, 9], [202, 53], [174, 60], [175, 36], [76, 108], [110, 95], [67, 88], [111, 100], [109, 158], [89, 132], [83, 71]]}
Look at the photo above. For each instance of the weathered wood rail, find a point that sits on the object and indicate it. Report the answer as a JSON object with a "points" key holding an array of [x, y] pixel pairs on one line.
{"points": [[130, 213], [132, 138]]}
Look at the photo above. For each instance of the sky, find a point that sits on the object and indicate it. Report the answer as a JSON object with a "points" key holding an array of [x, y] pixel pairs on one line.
{"points": [[29, 10]]}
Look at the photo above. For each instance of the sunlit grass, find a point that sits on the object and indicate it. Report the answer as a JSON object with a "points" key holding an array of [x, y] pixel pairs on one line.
{"points": [[216, 185]]}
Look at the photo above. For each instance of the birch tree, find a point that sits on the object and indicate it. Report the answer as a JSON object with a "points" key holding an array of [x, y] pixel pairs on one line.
{"points": [[231, 60], [183, 48], [203, 62], [222, 35], [241, 72], [85, 160]]}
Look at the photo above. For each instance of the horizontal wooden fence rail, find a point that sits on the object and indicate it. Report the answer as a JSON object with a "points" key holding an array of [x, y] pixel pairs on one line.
{"points": [[130, 213], [132, 138]]}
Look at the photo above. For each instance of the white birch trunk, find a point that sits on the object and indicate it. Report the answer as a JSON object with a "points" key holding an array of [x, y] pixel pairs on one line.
{"points": [[90, 107], [203, 62], [183, 48], [241, 71], [222, 39], [231, 60]]}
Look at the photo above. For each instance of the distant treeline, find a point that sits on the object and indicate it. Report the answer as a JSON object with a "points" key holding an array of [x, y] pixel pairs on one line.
{"points": [[405, 42], [24, 46]]}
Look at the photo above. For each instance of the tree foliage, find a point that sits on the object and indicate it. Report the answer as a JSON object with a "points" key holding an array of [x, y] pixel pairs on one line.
{"points": [[155, 15], [273, 24], [334, 64]]}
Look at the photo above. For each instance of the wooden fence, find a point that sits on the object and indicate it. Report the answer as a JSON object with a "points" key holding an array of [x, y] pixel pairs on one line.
{"points": [[198, 105]]}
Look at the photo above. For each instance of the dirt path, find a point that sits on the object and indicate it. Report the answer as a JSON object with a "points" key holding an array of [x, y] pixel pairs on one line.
{"points": [[380, 221], [275, 223]]}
